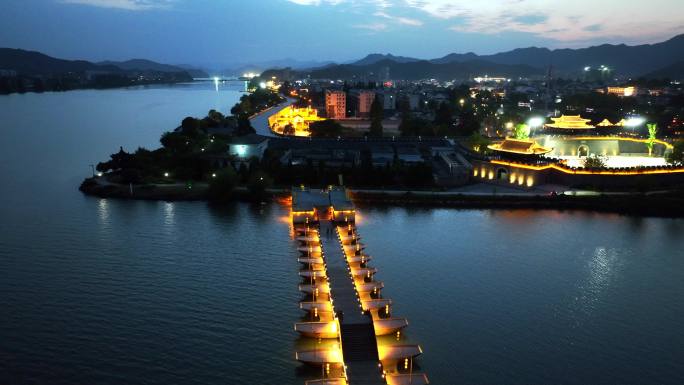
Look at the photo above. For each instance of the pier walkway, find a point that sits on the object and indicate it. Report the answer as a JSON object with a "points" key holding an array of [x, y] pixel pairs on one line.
{"points": [[343, 300], [359, 346]]}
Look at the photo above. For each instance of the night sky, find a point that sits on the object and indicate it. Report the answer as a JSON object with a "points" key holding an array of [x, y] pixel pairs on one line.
{"points": [[215, 33]]}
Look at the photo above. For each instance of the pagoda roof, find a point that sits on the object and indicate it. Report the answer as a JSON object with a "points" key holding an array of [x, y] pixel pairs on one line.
{"points": [[570, 122], [605, 123], [520, 146]]}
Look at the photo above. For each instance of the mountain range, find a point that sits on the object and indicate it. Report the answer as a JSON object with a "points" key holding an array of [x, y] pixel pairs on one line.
{"points": [[31, 63], [659, 60], [646, 60]]}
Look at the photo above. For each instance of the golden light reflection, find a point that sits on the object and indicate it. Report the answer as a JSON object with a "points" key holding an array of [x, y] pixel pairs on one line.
{"points": [[585, 172]]}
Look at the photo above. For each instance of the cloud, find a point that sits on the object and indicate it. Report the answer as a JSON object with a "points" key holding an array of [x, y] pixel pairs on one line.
{"points": [[131, 5], [372, 27], [399, 19], [564, 21], [316, 2], [531, 19]]}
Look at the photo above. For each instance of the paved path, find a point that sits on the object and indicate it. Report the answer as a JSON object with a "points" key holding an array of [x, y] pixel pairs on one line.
{"points": [[260, 121]]}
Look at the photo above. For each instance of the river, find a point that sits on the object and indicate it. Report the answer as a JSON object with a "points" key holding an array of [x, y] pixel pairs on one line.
{"points": [[110, 292]]}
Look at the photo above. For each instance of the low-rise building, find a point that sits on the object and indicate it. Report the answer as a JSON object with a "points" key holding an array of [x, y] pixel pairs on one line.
{"points": [[248, 146], [363, 99], [335, 104], [409, 154]]}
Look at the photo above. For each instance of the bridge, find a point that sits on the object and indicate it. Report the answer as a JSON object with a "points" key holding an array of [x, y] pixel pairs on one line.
{"points": [[343, 300]]}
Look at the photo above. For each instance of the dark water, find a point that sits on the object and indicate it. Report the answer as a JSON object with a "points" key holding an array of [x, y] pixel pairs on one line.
{"points": [[96, 291]]}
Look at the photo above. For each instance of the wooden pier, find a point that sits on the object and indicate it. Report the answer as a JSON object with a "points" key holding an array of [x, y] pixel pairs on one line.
{"points": [[344, 283]]}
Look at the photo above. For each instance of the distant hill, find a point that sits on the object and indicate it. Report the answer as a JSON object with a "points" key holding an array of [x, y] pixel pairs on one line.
{"points": [[32, 63], [414, 70], [674, 71], [456, 57], [35, 63], [31, 71], [626, 60], [142, 65], [650, 60], [194, 71], [377, 57], [258, 67]]}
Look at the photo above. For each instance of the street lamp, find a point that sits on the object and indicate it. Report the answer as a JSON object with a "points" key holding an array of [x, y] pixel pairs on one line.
{"points": [[535, 122]]}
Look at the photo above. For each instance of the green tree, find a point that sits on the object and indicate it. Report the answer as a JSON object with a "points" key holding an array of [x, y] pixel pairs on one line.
{"points": [[595, 161], [174, 141], [326, 128], [190, 126], [444, 115], [652, 131], [521, 131], [258, 183], [478, 143], [221, 187], [376, 115], [677, 154]]}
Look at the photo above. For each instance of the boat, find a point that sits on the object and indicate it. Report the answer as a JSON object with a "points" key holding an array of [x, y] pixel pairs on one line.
{"points": [[369, 286], [308, 238], [351, 249], [398, 352], [328, 329], [375, 303], [309, 289], [311, 249], [312, 273], [311, 305], [320, 356], [406, 379], [385, 326], [310, 260], [359, 258], [364, 271], [327, 381]]}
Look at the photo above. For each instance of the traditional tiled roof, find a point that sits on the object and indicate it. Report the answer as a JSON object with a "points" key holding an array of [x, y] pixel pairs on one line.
{"points": [[520, 146], [570, 122]]}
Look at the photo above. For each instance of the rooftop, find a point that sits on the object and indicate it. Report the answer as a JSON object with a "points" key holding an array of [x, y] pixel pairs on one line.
{"points": [[307, 200], [520, 146], [570, 122]]}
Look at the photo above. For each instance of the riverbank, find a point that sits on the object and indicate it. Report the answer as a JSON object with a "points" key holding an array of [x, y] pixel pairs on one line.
{"points": [[659, 204], [196, 191]]}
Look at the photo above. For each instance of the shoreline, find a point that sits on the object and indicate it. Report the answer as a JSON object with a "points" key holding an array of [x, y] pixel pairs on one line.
{"points": [[656, 204]]}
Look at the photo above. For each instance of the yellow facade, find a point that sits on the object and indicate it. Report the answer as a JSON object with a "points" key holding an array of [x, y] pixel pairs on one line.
{"points": [[298, 118]]}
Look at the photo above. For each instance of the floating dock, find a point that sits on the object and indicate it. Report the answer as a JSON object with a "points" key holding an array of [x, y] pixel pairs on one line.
{"points": [[343, 300]]}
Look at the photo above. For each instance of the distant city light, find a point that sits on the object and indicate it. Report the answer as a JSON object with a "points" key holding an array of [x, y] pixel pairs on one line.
{"points": [[250, 75], [587, 69], [535, 122], [241, 150], [635, 122], [262, 85], [166, 175]]}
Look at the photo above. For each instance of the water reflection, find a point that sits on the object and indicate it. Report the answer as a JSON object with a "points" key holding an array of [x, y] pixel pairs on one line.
{"points": [[103, 211], [602, 268], [169, 214]]}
